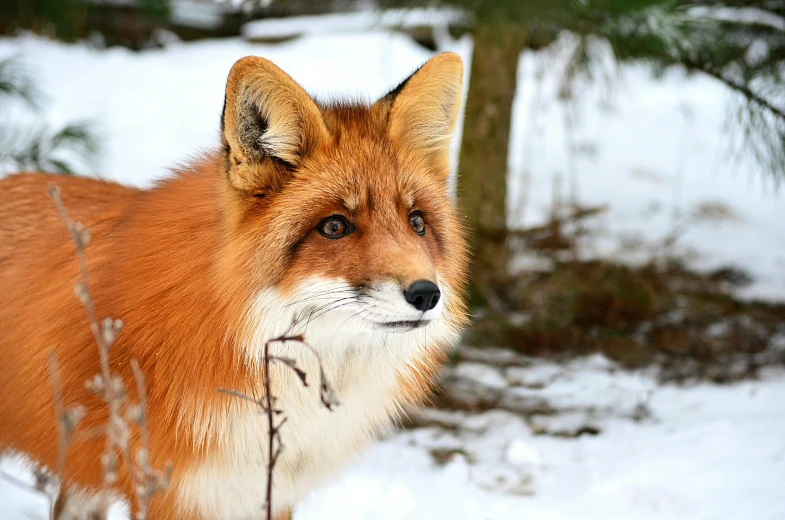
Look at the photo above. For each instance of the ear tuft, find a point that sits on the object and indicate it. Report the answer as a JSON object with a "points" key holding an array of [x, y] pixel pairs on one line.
{"points": [[268, 120], [425, 107]]}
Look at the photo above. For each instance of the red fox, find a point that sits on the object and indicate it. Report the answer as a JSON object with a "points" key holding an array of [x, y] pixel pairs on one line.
{"points": [[328, 220]]}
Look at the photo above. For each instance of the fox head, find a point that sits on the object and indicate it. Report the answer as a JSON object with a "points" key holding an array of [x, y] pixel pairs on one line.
{"points": [[340, 212]]}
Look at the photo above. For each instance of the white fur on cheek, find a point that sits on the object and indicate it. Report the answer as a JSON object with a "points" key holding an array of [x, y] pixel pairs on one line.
{"points": [[390, 306], [362, 362]]}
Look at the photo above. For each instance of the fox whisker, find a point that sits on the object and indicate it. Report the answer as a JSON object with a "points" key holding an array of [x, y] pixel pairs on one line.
{"points": [[322, 295]]}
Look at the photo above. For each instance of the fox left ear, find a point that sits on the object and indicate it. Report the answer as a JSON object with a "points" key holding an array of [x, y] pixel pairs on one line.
{"points": [[424, 108], [269, 125]]}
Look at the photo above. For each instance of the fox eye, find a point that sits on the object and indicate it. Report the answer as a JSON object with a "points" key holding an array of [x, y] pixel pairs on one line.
{"points": [[334, 226], [417, 222]]}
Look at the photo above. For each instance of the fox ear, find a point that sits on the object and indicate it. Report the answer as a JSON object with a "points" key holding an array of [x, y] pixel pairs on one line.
{"points": [[269, 124], [424, 108]]}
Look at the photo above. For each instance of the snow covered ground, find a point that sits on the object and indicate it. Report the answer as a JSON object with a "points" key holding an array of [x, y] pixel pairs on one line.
{"points": [[704, 452], [707, 452], [657, 154]]}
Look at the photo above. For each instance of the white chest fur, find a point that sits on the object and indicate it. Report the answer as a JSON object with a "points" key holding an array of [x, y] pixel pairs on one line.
{"points": [[364, 367]]}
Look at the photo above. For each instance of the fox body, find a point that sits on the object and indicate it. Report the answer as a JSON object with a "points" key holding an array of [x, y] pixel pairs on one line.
{"points": [[327, 220]]}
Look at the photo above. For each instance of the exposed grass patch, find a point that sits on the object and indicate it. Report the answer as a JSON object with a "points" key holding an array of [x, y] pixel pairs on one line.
{"points": [[662, 313], [443, 456]]}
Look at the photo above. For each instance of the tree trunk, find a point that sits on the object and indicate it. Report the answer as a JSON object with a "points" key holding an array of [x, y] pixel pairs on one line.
{"points": [[482, 183]]}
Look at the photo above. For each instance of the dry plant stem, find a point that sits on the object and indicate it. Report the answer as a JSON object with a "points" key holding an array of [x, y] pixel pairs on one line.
{"points": [[122, 414], [67, 419], [63, 434], [274, 444], [272, 433], [42, 481], [102, 384], [148, 480], [33, 488], [140, 389]]}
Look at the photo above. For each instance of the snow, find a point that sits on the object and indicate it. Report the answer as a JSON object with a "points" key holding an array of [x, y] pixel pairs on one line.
{"points": [[359, 21], [707, 452], [701, 452], [165, 104], [654, 151], [204, 15], [711, 452], [521, 453], [486, 375]]}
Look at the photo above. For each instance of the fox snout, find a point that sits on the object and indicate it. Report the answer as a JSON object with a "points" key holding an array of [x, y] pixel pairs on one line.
{"points": [[422, 295]]}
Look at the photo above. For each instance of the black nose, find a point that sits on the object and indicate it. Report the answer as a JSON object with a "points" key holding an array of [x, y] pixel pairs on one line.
{"points": [[423, 295]]}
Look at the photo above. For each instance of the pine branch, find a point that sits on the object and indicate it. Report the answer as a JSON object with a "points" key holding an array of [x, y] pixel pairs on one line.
{"points": [[15, 83], [739, 87]]}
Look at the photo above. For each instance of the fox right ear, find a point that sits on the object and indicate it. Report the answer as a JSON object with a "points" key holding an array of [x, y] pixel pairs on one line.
{"points": [[423, 110], [269, 124]]}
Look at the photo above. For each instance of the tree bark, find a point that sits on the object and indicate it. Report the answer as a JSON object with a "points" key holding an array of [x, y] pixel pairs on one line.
{"points": [[482, 183]]}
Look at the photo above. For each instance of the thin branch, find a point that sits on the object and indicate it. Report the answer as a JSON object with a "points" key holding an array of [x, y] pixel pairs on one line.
{"points": [[741, 88], [257, 402], [122, 414], [104, 385], [141, 409], [152, 480], [67, 419], [326, 393], [21, 484], [272, 433], [274, 444]]}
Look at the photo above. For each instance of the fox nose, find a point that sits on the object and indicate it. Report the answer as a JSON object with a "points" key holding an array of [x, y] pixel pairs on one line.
{"points": [[423, 295]]}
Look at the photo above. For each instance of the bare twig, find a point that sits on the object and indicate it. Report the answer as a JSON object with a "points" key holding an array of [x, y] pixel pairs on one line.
{"points": [[258, 402], [150, 479], [272, 434], [21, 484], [274, 444], [737, 86], [67, 418], [111, 388], [67, 421]]}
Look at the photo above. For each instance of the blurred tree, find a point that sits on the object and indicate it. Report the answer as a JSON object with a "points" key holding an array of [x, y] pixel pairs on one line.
{"points": [[38, 148], [122, 22], [738, 42]]}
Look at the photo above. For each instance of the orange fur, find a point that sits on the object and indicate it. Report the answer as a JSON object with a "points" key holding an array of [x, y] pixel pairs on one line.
{"points": [[181, 263]]}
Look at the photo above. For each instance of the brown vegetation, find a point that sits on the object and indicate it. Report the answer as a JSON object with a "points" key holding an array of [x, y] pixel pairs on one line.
{"points": [[662, 312]]}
